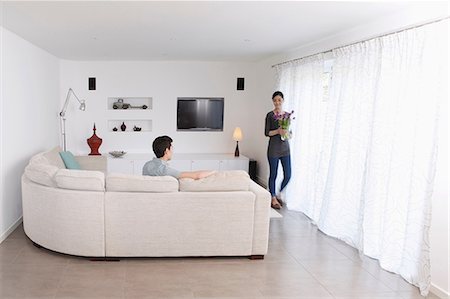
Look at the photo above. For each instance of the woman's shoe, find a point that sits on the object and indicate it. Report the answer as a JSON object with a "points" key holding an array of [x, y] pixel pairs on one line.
{"points": [[280, 201], [276, 206]]}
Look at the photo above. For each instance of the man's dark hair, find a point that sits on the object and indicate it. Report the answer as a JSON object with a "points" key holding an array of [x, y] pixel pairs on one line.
{"points": [[160, 144], [277, 93]]}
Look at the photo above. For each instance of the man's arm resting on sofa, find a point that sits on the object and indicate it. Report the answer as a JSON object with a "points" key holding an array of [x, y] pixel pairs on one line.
{"points": [[196, 174]]}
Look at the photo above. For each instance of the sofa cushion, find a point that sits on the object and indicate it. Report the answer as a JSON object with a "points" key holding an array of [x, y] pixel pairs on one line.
{"points": [[80, 179], [140, 183], [39, 159], [232, 180], [41, 173], [54, 158], [69, 160]]}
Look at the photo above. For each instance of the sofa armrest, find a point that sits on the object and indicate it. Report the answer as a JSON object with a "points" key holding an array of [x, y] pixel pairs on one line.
{"points": [[262, 219], [98, 163]]}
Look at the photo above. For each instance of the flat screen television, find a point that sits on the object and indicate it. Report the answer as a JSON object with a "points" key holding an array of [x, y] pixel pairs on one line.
{"points": [[200, 114]]}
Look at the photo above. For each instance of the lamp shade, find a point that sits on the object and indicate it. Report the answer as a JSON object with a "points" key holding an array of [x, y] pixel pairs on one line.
{"points": [[237, 134]]}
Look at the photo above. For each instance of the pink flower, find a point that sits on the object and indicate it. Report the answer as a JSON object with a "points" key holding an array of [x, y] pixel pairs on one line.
{"points": [[284, 121]]}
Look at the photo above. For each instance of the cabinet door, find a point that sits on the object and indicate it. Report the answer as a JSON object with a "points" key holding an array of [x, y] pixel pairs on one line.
{"points": [[205, 165], [180, 165], [120, 165], [234, 165]]}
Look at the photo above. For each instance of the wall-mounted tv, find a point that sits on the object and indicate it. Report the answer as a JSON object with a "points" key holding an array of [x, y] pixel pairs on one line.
{"points": [[200, 114]]}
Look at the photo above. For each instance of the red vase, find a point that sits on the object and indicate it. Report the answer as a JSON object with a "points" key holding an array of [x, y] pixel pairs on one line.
{"points": [[94, 143]]}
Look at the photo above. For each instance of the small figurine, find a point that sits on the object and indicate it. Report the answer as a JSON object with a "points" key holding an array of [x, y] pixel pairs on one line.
{"points": [[123, 127], [121, 105], [115, 129], [136, 129]]}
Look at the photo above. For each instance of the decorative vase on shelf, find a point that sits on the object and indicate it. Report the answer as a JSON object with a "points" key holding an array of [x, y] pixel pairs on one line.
{"points": [[123, 127], [94, 143]]}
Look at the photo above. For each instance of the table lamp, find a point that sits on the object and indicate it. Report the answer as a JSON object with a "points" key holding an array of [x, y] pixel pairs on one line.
{"points": [[237, 136]]}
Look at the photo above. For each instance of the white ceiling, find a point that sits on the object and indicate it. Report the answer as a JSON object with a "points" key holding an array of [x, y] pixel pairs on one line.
{"points": [[205, 30]]}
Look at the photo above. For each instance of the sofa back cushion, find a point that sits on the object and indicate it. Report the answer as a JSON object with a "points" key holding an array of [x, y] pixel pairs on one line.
{"points": [[54, 158], [232, 180], [41, 173], [80, 179], [118, 182]]}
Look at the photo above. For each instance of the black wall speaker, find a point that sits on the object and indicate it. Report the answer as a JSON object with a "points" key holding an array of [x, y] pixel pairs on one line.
{"points": [[240, 83], [91, 83]]}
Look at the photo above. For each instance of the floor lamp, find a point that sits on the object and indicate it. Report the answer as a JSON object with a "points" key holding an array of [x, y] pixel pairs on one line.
{"points": [[62, 114]]}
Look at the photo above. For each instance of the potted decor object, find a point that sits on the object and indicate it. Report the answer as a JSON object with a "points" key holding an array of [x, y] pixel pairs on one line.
{"points": [[94, 143]]}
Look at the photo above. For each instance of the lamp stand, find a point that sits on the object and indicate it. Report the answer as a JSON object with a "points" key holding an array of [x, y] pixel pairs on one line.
{"points": [[63, 132], [62, 114], [236, 152]]}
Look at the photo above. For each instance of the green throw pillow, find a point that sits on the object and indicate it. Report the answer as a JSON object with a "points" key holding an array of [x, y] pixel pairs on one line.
{"points": [[69, 160]]}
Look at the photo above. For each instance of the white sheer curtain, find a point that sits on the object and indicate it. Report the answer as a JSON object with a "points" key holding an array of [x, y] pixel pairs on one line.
{"points": [[365, 172], [301, 83]]}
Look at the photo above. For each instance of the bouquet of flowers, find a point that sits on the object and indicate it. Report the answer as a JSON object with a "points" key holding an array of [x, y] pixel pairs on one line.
{"points": [[284, 121]]}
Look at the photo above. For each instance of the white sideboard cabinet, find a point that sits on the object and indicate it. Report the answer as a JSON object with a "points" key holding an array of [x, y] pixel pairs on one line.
{"points": [[133, 163]]}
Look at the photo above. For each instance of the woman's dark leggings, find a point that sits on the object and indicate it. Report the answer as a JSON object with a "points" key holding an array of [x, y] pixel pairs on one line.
{"points": [[273, 163]]}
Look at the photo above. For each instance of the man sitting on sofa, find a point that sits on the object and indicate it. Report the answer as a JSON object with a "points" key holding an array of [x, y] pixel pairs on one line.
{"points": [[162, 147]]}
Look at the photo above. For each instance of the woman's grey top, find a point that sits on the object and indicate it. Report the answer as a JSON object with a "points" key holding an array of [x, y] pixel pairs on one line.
{"points": [[277, 147]]}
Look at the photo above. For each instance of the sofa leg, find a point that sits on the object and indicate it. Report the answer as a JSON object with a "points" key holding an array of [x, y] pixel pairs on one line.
{"points": [[256, 257]]}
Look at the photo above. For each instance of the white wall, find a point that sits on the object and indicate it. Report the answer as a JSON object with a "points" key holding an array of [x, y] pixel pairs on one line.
{"points": [[29, 123], [164, 82], [417, 14]]}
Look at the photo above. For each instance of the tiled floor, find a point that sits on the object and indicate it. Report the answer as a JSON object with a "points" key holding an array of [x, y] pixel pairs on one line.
{"points": [[301, 263]]}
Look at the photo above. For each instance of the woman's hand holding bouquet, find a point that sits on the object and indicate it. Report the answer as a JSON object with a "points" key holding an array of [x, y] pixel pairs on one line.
{"points": [[284, 121]]}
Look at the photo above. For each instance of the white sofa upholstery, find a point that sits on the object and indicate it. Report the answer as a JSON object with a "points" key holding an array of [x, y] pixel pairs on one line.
{"points": [[88, 213]]}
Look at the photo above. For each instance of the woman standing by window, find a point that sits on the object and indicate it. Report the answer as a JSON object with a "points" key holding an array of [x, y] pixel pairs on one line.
{"points": [[278, 149]]}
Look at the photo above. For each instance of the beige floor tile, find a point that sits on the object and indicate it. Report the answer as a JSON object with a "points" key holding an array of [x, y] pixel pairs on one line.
{"points": [[302, 262], [290, 288], [91, 286], [10, 249], [214, 289], [311, 251], [30, 254], [18, 233], [157, 289], [279, 255], [415, 295], [19, 281], [354, 286], [299, 297], [389, 295]]}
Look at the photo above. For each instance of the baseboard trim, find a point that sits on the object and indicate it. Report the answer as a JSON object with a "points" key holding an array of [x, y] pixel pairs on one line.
{"points": [[10, 229], [439, 292]]}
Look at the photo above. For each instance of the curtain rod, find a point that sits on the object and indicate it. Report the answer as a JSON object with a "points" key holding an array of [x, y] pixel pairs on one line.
{"points": [[354, 43]]}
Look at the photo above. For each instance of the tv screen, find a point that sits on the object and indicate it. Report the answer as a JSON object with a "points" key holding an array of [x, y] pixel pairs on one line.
{"points": [[200, 114]]}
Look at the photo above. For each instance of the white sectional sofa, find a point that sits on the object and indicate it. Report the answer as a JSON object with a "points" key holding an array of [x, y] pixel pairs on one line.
{"points": [[93, 214]]}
